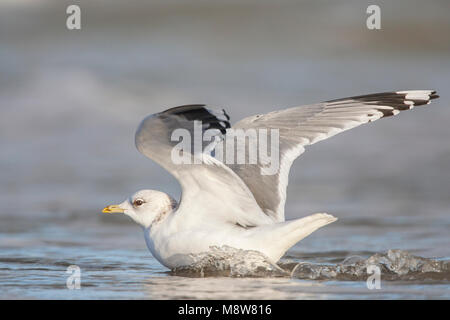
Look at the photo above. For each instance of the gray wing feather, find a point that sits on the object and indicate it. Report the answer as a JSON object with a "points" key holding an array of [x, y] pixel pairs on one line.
{"points": [[306, 125]]}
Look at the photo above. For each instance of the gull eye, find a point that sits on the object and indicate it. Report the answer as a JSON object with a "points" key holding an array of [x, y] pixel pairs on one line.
{"points": [[138, 202]]}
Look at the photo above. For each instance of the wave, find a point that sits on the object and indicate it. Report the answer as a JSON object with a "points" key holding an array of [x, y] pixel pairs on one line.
{"points": [[394, 265]]}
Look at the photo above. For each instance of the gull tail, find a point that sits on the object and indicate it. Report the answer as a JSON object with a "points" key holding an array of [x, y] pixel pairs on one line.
{"points": [[284, 235]]}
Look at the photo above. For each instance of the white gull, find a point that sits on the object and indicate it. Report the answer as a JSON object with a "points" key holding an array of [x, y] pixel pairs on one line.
{"points": [[237, 205]]}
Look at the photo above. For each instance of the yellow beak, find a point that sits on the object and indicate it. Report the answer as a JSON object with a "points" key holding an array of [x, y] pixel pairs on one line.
{"points": [[113, 209]]}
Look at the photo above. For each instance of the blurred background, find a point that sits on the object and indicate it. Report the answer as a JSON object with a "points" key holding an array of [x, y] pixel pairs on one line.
{"points": [[71, 100]]}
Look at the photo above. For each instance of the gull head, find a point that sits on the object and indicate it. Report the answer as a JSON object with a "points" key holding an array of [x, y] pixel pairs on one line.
{"points": [[145, 207]]}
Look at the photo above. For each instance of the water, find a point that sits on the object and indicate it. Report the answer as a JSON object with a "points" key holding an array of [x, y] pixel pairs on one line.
{"points": [[394, 265], [70, 102]]}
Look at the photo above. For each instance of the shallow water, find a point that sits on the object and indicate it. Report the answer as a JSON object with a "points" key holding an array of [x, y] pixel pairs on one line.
{"points": [[70, 102], [115, 264]]}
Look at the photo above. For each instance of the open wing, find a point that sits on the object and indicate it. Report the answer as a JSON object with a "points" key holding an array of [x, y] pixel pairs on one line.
{"points": [[306, 125], [211, 191]]}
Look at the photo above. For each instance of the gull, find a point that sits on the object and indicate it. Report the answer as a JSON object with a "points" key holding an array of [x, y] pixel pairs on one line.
{"points": [[237, 205]]}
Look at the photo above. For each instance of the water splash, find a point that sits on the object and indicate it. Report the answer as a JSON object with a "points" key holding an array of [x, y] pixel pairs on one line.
{"points": [[394, 265], [231, 262]]}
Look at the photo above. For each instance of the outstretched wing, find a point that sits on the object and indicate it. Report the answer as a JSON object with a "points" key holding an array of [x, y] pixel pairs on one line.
{"points": [[211, 191], [306, 125]]}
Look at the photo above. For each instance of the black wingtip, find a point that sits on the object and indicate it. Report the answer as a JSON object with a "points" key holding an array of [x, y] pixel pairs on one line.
{"points": [[213, 118]]}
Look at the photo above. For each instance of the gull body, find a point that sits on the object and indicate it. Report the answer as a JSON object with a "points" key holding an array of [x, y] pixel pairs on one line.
{"points": [[171, 239], [237, 205]]}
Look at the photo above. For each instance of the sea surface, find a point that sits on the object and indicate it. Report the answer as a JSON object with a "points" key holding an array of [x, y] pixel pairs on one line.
{"points": [[70, 102]]}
